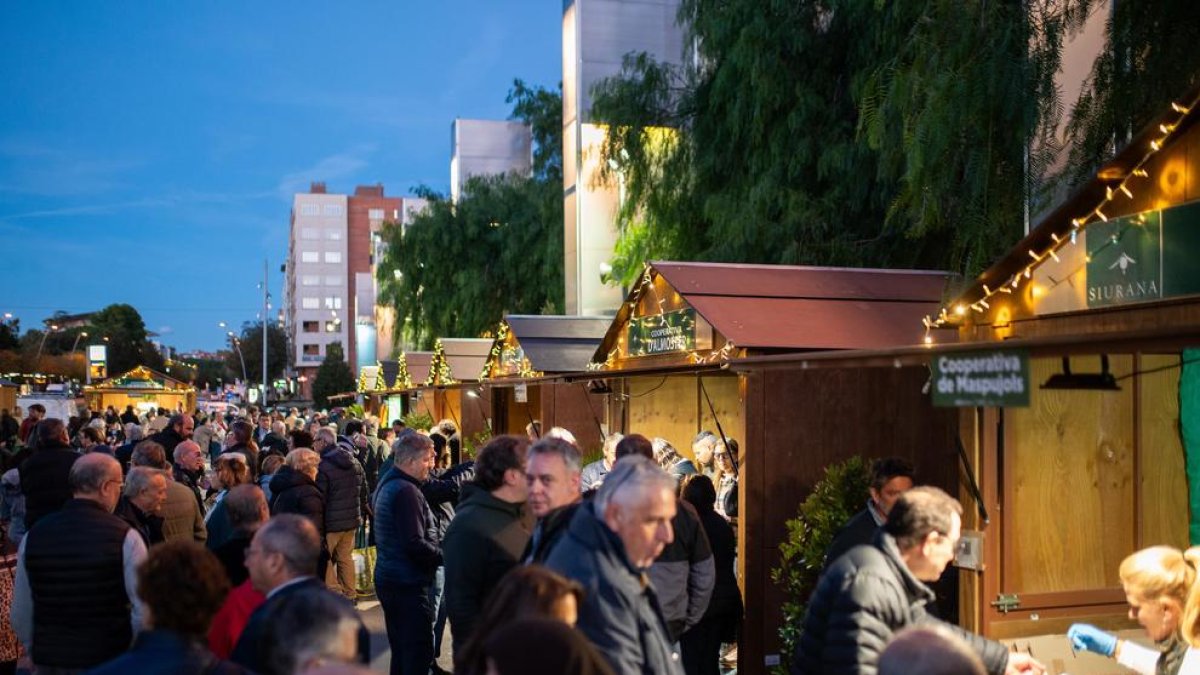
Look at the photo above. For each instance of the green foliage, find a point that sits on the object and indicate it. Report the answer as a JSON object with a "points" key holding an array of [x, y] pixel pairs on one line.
{"points": [[127, 343], [333, 376], [10, 329], [418, 421], [457, 268], [834, 499], [1150, 59], [210, 373], [840, 132], [251, 345]]}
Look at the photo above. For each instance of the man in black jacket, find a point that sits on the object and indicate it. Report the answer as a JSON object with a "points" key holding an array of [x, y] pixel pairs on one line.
{"points": [[874, 591], [341, 479], [441, 491], [281, 559], [179, 429], [555, 490], [890, 477], [44, 475], [74, 603], [141, 505]]}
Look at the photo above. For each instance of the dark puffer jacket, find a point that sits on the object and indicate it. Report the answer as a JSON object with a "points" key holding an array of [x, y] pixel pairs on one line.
{"points": [[341, 479], [864, 598], [293, 492]]}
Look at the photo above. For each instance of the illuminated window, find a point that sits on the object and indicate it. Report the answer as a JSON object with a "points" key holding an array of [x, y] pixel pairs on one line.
{"points": [[333, 235], [332, 257], [333, 302], [332, 326], [310, 256], [332, 210], [310, 280], [308, 233], [310, 210], [310, 303]]}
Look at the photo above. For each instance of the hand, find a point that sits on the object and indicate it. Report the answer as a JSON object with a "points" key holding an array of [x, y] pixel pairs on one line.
{"points": [[1086, 637], [1023, 663]]}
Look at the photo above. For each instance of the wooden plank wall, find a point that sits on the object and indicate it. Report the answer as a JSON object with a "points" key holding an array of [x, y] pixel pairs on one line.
{"points": [[796, 423], [1069, 467], [1163, 489], [570, 406], [666, 406]]}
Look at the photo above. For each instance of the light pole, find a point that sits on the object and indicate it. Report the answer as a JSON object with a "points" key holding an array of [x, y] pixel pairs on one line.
{"points": [[76, 345], [41, 344], [237, 345], [266, 308]]}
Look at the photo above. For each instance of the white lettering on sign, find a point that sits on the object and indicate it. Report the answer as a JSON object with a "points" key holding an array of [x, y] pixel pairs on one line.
{"points": [[990, 375]]}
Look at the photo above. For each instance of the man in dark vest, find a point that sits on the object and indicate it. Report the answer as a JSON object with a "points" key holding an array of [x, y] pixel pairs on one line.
{"points": [[74, 601], [44, 474]]}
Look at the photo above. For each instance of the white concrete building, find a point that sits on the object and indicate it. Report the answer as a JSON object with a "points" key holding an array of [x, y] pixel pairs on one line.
{"points": [[488, 148], [597, 34]]}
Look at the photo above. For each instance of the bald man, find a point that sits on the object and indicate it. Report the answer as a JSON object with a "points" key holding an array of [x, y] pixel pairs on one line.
{"points": [[80, 563]]}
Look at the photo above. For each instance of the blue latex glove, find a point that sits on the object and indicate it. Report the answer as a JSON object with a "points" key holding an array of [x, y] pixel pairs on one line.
{"points": [[1086, 637]]}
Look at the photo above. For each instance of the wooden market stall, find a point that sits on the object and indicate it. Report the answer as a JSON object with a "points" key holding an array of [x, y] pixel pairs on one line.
{"points": [[1068, 367], [142, 388], [525, 355], [444, 384], [665, 359], [8, 394]]}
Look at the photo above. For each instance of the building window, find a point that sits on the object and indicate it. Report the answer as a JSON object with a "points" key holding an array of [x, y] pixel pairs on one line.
{"points": [[310, 326], [333, 280], [333, 235], [310, 210], [333, 257], [310, 256], [308, 233], [332, 326], [332, 210], [333, 302], [310, 280], [375, 214], [310, 303]]}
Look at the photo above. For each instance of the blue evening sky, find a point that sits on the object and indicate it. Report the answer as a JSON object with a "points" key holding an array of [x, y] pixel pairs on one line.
{"points": [[149, 150]]}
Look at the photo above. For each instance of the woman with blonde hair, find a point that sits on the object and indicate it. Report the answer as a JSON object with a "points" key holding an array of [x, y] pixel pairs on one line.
{"points": [[1157, 583]]}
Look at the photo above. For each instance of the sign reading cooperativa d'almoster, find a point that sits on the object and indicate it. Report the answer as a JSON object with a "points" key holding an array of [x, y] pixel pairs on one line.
{"points": [[998, 378]]}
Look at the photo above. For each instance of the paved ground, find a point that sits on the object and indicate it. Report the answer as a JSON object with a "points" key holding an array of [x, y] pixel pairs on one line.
{"points": [[381, 655]]}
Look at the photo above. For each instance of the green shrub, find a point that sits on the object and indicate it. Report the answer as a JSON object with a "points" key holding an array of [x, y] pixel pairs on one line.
{"points": [[418, 421], [834, 499]]}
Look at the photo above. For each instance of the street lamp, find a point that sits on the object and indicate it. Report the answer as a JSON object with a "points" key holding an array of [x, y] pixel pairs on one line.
{"points": [[41, 344], [238, 345], [76, 345], [472, 394]]}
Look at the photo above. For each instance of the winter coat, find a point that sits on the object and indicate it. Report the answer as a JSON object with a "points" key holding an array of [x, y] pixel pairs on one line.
{"points": [[684, 573], [294, 492], [44, 481], [145, 524], [408, 554], [620, 613], [164, 652], [442, 492], [547, 531], [484, 541], [168, 438], [593, 475], [858, 531], [863, 599], [231, 619], [341, 479]]}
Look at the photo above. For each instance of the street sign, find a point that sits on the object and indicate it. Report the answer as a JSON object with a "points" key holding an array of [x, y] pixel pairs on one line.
{"points": [[998, 378]]}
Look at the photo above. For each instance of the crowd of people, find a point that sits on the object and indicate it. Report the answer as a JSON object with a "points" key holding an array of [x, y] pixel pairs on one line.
{"points": [[192, 543]]}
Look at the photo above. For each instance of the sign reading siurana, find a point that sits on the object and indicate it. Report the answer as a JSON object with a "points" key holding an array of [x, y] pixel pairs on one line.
{"points": [[998, 378]]}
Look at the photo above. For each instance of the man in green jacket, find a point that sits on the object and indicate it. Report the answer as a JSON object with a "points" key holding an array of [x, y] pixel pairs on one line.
{"points": [[488, 534]]}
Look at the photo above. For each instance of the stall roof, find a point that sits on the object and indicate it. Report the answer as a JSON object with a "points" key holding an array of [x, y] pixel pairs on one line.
{"points": [[558, 344], [783, 307], [418, 365], [1082, 207], [466, 356], [141, 378]]}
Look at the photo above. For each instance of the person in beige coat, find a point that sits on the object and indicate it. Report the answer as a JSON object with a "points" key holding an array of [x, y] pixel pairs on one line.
{"points": [[181, 514]]}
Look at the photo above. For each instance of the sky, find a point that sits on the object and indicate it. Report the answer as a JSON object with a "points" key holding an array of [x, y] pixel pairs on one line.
{"points": [[149, 151]]}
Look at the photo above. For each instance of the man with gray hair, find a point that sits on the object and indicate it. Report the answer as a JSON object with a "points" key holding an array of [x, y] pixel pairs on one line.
{"points": [[593, 474], [553, 471], [607, 548], [80, 563], [282, 561], [408, 554], [133, 436], [181, 515], [140, 506]]}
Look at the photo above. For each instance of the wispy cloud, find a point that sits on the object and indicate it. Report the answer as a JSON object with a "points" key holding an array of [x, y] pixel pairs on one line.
{"points": [[328, 168], [37, 168], [173, 200]]}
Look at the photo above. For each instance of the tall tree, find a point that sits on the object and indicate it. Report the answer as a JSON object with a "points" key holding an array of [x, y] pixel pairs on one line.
{"points": [[10, 331], [333, 376], [126, 333], [251, 343], [838, 132], [457, 268]]}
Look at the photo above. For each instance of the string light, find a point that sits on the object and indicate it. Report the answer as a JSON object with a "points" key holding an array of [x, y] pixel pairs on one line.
{"points": [[1077, 223], [439, 367]]}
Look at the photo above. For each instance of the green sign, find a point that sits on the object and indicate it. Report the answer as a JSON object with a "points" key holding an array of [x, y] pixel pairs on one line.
{"points": [[663, 333], [1125, 260], [997, 378]]}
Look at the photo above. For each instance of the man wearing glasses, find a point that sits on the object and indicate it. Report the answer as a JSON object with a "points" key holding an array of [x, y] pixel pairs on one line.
{"points": [[874, 591], [80, 563]]}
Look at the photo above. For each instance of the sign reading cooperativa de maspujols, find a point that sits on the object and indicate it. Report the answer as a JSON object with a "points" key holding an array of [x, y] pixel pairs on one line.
{"points": [[998, 378]]}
